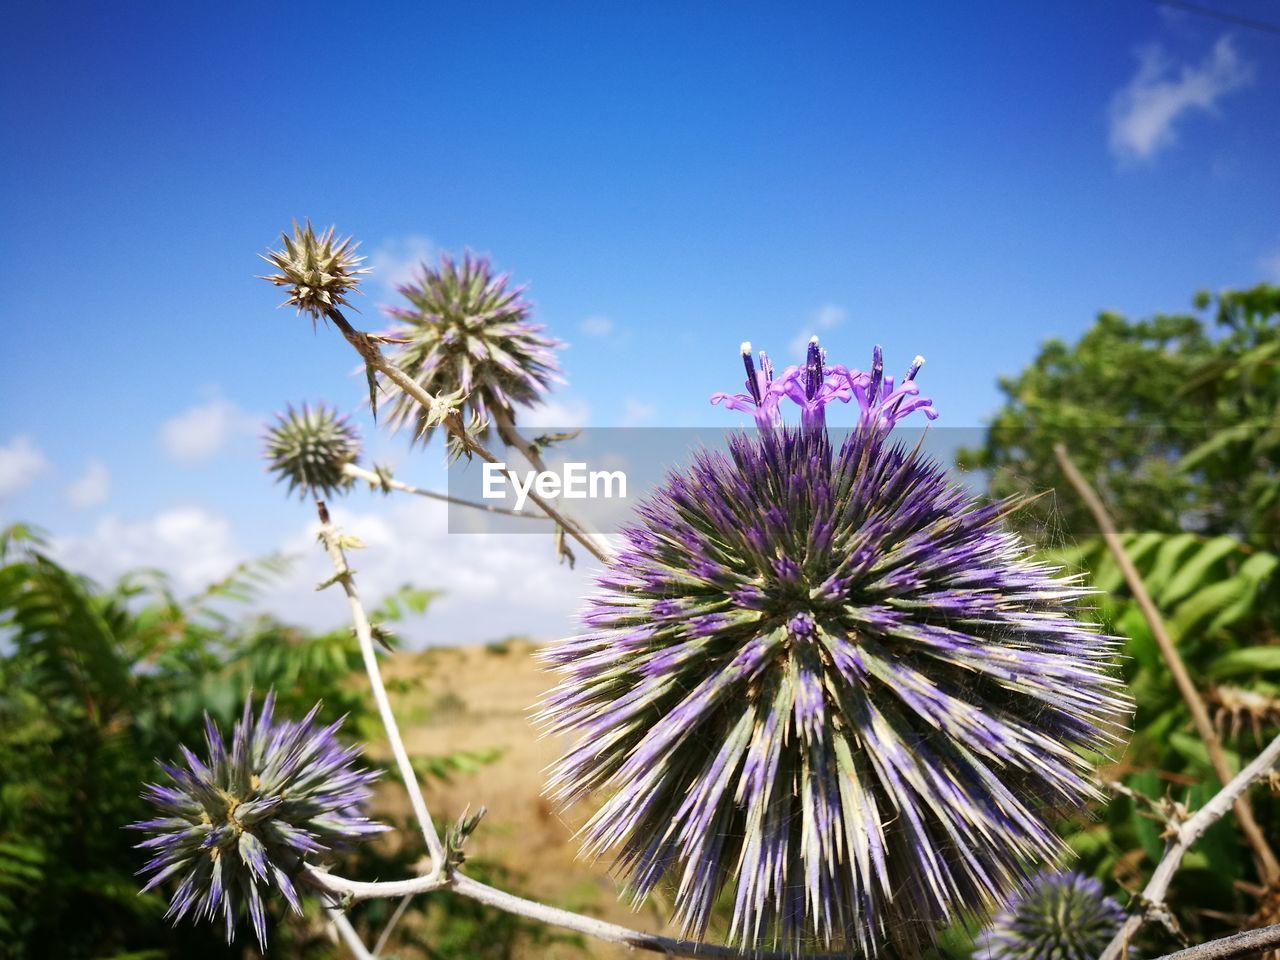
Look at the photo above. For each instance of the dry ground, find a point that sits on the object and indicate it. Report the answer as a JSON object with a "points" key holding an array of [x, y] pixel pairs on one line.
{"points": [[479, 698]]}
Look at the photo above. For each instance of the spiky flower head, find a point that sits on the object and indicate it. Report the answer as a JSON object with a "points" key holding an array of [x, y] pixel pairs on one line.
{"points": [[1059, 916], [318, 271], [820, 678], [467, 330], [309, 449], [239, 824]]}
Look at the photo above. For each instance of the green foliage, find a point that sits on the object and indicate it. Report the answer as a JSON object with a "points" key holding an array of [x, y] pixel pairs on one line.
{"points": [[1178, 430], [94, 685]]}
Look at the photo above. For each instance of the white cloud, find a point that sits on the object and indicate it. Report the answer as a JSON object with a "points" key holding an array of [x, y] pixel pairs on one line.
{"points": [[200, 433], [1270, 266], [91, 489], [636, 413], [826, 317], [396, 260], [1145, 112], [21, 462], [561, 411], [192, 545], [493, 585], [596, 326]]}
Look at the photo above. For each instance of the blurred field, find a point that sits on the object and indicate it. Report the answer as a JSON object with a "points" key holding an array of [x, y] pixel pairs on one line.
{"points": [[478, 698]]}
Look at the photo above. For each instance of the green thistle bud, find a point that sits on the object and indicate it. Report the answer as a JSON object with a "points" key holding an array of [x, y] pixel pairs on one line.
{"points": [[1060, 916], [318, 271], [467, 331], [310, 449]]}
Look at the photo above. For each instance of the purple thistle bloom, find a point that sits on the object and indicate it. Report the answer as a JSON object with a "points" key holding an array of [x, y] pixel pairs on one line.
{"points": [[239, 824], [829, 684], [466, 329], [1059, 916]]}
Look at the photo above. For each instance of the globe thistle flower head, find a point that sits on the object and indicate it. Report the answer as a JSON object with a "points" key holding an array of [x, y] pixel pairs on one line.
{"points": [[466, 329], [318, 271], [821, 680], [309, 449], [237, 825], [1059, 916]]}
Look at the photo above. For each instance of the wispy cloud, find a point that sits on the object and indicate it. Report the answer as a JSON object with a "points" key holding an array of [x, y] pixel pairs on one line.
{"points": [[396, 260], [21, 463], [1145, 112], [636, 413], [195, 547], [474, 572], [200, 433], [92, 488], [596, 326], [1270, 265], [561, 411], [826, 317]]}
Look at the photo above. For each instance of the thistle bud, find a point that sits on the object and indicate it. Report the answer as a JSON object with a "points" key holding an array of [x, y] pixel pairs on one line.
{"points": [[822, 683], [239, 824], [318, 271], [467, 330], [1059, 916], [309, 449]]}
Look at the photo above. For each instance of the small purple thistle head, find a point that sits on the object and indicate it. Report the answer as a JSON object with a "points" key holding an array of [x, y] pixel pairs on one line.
{"points": [[238, 825], [822, 681], [1058, 915]]}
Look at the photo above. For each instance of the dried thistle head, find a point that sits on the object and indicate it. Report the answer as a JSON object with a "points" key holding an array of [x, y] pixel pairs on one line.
{"points": [[309, 448], [318, 271], [239, 824], [824, 682], [1059, 916], [1234, 708], [466, 329]]}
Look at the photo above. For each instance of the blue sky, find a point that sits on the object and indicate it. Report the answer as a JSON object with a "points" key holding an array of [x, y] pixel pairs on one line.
{"points": [[961, 181]]}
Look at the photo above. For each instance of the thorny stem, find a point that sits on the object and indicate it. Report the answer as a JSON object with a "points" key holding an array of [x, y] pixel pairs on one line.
{"points": [[364, 635], [1269, 867], [512, 438], [371, 353], [1250, 943], [355, 890], [1151, 900], [389, 483]]}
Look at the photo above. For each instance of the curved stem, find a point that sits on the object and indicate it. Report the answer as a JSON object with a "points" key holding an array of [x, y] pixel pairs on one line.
{"points": [[1268, 865], [364, 635], [388, 483], [458, 883], [1152, 897], [371, 353]]}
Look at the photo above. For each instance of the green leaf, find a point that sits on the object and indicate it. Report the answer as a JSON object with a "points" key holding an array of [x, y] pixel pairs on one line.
{"points": [[1248, 660], [1196, 569]]}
